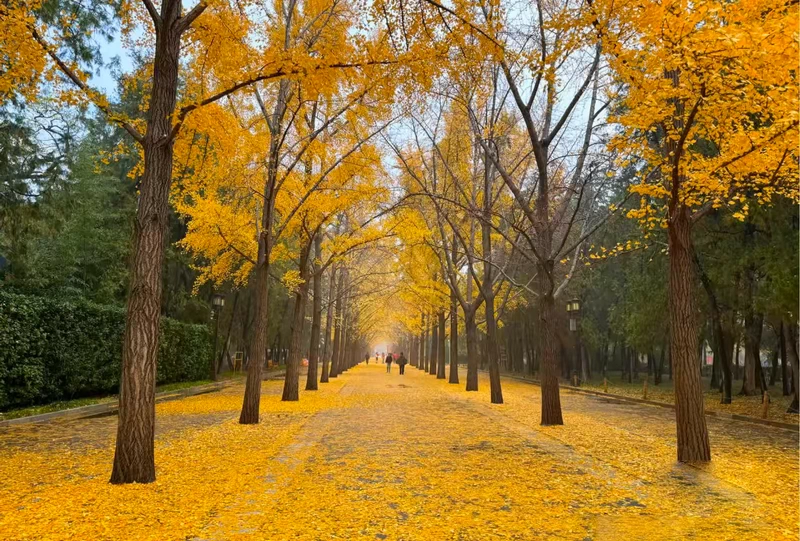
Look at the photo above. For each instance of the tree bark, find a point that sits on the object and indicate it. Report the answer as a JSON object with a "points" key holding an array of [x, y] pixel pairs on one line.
{"points": [[424, 346], [337, 333], [291, 381], [440, 369], [328, 347], [791, 350], [722, 340], [453, 339], [227, 341], [134, 459], [785, 383], [551, 400], [693, 444], [434, 356], [252, 392], [316, 318]]}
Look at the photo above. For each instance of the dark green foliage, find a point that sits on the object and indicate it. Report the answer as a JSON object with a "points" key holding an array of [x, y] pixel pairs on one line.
{"points": [[54, 350]]}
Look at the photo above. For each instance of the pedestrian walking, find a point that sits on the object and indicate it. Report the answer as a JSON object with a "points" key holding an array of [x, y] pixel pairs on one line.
{"points": [[389, 360], [401, 362], [366, 358]]}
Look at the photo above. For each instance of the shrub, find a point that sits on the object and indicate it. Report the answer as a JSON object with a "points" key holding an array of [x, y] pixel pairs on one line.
{"points": [[56, 350]]}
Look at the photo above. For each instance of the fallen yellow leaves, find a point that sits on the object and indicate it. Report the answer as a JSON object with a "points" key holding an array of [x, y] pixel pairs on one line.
{"points": [[377, 456]]}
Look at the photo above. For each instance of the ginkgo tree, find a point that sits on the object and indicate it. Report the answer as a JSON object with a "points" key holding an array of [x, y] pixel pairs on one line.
{"points": [[216, 49], [710, 105]]}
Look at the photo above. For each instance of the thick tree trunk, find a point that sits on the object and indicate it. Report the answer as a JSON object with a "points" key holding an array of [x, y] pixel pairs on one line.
{"points": [[252, 392], [134, 460], [471, 328], [551, 401], [693, 444], [453, 339], [440, 368], [316, 318], [496, 390], [291, 381]]}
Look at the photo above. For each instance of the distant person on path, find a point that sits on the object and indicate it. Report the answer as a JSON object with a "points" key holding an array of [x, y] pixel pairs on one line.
{"points": [[389, 360], [366, 358], [401, 362]]}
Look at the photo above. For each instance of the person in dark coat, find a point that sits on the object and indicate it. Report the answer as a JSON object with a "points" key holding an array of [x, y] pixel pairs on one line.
{"points": [[401, 362], [389, 360]]}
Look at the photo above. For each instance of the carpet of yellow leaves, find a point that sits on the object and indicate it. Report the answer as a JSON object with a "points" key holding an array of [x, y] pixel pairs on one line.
{"points": [[377, 456]]}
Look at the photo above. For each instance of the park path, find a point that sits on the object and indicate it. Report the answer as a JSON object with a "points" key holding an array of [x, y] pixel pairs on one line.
{"points": [[380, 456]]}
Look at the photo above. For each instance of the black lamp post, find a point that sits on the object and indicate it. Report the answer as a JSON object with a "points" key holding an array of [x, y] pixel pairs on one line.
{"points": [[574, 311], [217, 302]]}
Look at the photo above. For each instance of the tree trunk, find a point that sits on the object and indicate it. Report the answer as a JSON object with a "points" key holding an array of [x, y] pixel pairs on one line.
{"points": [[337, 332], [134, 460], [328, 348], [660, 367], [752, 352], [316, 317], [472, 349], [424, 346], [791, 350], [773, 373], [723, 341], [227, 342], [453, 339], [631, 363], [252, 392], [787, 388], [434, 356], [341, 359], [551, 401], [693, 444], [496, 390], [440, 368], [291, 381], [583, 361], [714, 376]]}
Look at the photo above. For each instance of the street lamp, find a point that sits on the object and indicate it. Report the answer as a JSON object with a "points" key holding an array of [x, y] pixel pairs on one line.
{"points": [[217, 302], [574, 311]]}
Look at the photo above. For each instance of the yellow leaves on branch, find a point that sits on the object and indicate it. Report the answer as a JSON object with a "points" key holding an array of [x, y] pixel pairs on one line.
{"points": [[734, 110], [22, 61]]}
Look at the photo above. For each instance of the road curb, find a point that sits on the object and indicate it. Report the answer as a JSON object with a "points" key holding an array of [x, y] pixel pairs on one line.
{"points": [[621, 398], [110, 408]]}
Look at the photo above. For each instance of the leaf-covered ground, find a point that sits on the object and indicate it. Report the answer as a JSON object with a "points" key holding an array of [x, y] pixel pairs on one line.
{"points": [[742, 405], [377, 456]]}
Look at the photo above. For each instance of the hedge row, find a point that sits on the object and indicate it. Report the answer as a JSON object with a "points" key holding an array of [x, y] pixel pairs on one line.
{"points": [[55, 350]]}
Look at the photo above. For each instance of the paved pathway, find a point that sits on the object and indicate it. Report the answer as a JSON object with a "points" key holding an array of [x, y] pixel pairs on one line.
{"points": [[377, 456]]}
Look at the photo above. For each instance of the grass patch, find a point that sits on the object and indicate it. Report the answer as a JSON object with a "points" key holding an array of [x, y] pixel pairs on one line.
{"points": [[89, 401], [55, 406]]}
